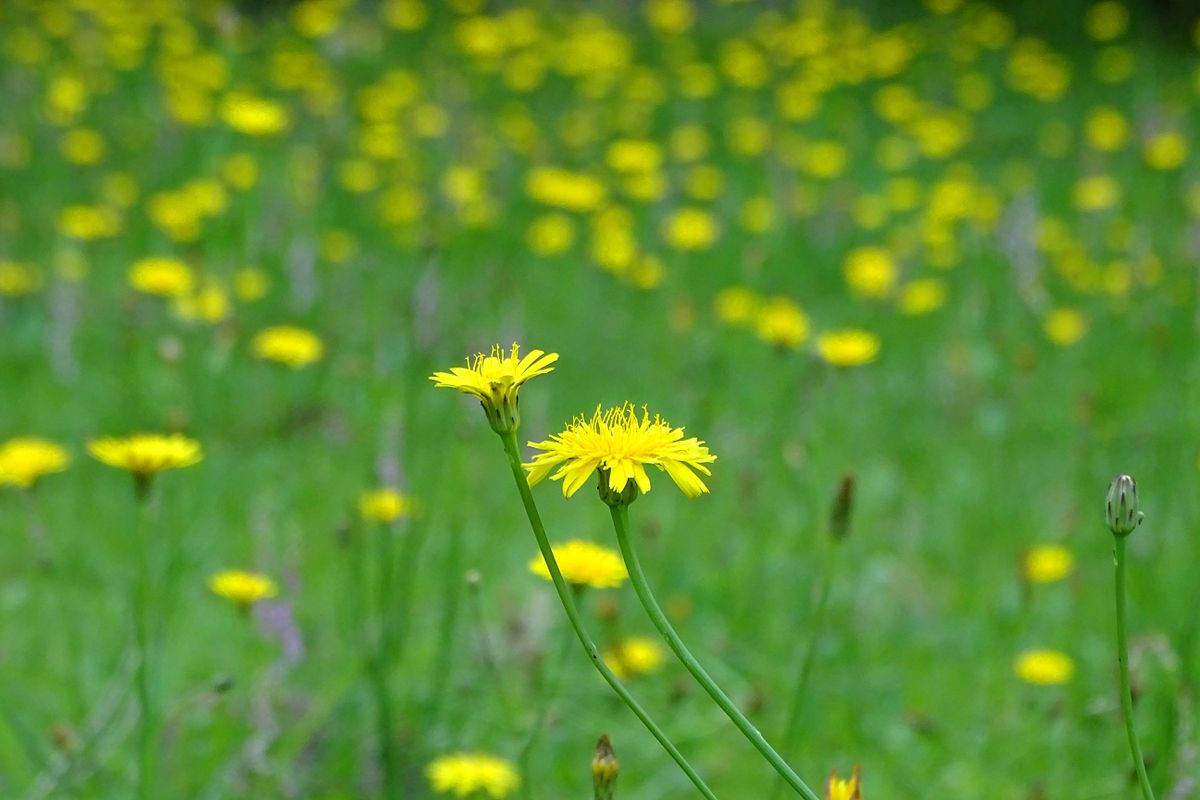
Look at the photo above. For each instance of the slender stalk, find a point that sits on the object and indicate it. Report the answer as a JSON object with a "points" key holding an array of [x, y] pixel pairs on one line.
{"points": [[1123, 661], [141, 628], [568, 602], [547, 690], [382, 661], [620, 517]]}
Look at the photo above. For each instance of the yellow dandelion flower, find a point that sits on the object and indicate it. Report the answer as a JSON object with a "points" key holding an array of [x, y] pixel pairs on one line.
{"points": [[164, 277], [462, 774], [1044, 667], [870, 272], [145, 454], [1065, 326], [620, 445], [736, 305], [17, 278], [1048, 563], [782, 323], [250, 284], [584, 563], [243, 588], [384, 505], [1106, 20], [848, 347], [254, 116], [496, 380], [287, 344], [923, 296], [24, 460], [1166, 151], [637, 655], [1106, 129], [843, 788], [691, 229]]}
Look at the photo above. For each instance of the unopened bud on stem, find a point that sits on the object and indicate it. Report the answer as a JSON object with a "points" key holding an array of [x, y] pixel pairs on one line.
{"points": [[604, 769], [1121, 506]]}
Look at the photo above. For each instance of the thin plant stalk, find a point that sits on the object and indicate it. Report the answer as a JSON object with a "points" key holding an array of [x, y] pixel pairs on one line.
{"points": [[381, 662], [141, 629], [620, 517], [1123, 661], [509, 440], [547, 691]]}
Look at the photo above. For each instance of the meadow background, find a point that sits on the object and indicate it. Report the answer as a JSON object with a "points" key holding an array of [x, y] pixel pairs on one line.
{"points": [[684, 200]]}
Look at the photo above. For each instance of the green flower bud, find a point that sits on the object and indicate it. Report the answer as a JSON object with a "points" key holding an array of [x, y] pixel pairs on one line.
{"points": [[1121, 506], [604, 770]]}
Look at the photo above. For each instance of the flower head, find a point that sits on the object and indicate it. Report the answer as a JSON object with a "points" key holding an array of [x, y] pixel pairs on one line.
{"points": [[849, 347], [1048, 563], [1121, 506], [287, 344], [146, 454], [243, 588], [585, 564], [24, 460], [637, 655], [843, 789], [165, 277], [462, 774], [1044, 667], [605, 769], [384, 505], [496, 380], [620, 444]]}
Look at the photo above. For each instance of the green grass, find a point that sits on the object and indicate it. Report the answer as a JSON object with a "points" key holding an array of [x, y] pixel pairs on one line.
{"points": [[972, 438]]}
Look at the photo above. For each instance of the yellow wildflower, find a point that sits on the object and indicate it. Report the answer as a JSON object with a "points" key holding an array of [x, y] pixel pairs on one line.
{"points": [[620, 445], [164, 277], [584, 563], [1048, 563], [736, 305], [922, 296], [496, 380], [1044, 667], [637, 655], [145, 454], [1106, 129], [843, 789], [1065, 326], [25, 459], [1106, 20], [1166, 151], [848, 347], [691, 229], [781, 322], [254, 116], [17, 278], [870, 272], [462, 774], [243, 588], [384, 505], [287, 344]]}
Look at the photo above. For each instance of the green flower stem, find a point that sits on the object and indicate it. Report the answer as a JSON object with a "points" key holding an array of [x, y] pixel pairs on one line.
{"points": [[1123, 661], [620, 517], [141, 630], [568, 602], [382, 660], [547, 691]]}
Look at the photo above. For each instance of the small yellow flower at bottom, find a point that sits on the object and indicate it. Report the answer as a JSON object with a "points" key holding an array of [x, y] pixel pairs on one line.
{"points": [[243, 588], [288, 345], [145, 454], [843, 789], [24, 460], [384, 505], [637, 655], [462, 774], [1044, 667], [496, 380], [585, 564]]}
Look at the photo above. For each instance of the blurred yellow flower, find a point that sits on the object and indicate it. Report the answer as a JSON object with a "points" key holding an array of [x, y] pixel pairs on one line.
{"points": [[83, 146], [1106, 20], [384, 505], [1044, 667], [287, 344], [254, 116], [89, 222], [1048, 563], [561, 188], [462, 774], [25, 459], [636, 655], [1097, 193], [736, 306], [17, 278], [848, 347], [691, 229], [145, 454], [870, 272], [780, 322], [584, 563], [243, 588], [250, 284], [551, 234], [844, 788], [1166, 151], [621, 444], [240, 171], [1065, 326], [161, 276], [1106, 129], [922, 296]]}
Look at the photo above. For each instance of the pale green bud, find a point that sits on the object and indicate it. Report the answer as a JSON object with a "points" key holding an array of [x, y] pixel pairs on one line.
{"points": [[1121, 506]]}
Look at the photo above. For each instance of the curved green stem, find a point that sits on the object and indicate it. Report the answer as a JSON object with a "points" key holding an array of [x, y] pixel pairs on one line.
{"points": [[568, 602], [1123, 661], [620, 517]]}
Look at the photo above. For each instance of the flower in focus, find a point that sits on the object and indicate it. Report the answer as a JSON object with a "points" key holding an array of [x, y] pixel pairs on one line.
{"points": [[1044, 667], [843, 789], [384, 505], [637, 655], [24, 460], [462, 774], [146, 454], [287, 344], [1048, 563], [621, 444], [585, 564], [243, 588], [496, 380], [848, 347]]}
